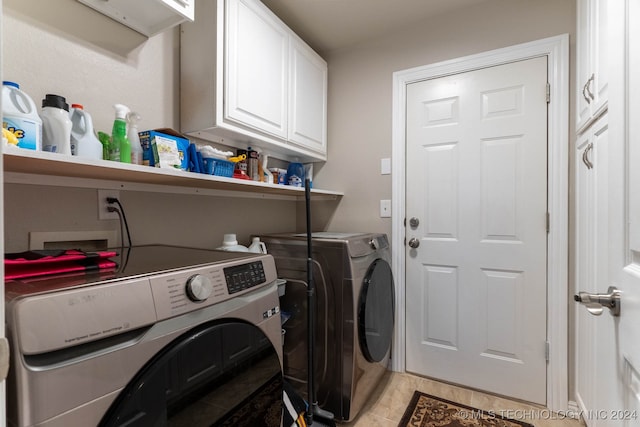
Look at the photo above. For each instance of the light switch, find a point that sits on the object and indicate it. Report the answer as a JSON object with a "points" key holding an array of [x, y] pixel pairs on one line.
{"points": [[385, 166], [385, 208]]}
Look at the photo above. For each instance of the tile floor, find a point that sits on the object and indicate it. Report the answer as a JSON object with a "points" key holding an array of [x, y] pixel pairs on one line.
{"points": [[388, 403]]}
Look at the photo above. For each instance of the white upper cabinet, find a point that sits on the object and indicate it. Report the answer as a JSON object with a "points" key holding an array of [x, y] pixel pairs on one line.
{"points": [[248, 80], [257, 62], [307, 98], [592, 61]]}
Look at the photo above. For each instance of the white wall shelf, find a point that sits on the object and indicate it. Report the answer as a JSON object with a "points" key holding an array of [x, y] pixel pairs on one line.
{"points": [[44, 168]]}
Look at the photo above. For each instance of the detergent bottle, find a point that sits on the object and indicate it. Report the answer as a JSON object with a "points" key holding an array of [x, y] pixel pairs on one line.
{"points": [[230, 243], [120, 145], [20, 116], [134, 139], [257, 246], [84, 142], [56, 125]]}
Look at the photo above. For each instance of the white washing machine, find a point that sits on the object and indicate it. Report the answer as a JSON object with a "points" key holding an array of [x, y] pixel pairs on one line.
{"points": [[174, 337], [355, 314]]}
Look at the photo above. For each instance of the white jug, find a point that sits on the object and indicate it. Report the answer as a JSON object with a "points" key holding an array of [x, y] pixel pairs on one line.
{"points": [[20, 116], [257, 246], [229, 243], [84, 142]]}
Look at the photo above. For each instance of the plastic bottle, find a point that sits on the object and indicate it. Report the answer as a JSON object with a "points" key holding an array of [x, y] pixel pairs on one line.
{"points": [[105, 140], [242, 164], [20, 116], [229, 243], [56, 125], [120, 146], [134, 139], [267, 175], [257, 246], [295, 174], [252, 164], [84, 142]]}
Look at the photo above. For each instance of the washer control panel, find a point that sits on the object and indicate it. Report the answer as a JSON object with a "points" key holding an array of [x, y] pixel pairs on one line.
{"points": [[244, 276], [179, 292]]}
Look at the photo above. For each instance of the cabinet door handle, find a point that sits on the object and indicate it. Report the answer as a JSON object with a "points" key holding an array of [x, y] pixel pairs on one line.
{"points": [[585, 156], [584, 93], [588, 86]]}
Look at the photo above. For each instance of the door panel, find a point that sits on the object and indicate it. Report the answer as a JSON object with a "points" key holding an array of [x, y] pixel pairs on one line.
{"points": [[476, 178]]}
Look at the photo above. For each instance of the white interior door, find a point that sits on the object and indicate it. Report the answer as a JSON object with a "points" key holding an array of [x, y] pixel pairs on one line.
{"points": [[607, 347], [476, 181]]}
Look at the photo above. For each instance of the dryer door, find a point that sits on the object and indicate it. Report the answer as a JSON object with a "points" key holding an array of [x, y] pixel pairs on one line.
{"points": [[222, 373], [376, 311]]}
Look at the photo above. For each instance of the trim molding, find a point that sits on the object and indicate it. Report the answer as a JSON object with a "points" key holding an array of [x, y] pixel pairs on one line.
{"points": [[556, 49]]}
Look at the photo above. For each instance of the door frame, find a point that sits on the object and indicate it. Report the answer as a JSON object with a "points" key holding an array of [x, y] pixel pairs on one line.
{"points": [[556, 49]]}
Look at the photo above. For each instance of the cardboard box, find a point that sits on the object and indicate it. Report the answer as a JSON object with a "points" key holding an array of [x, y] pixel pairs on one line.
{"points": [[164, 148]]}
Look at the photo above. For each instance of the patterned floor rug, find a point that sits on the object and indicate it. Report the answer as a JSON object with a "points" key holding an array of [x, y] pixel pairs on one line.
{"points": [[429, 411]]}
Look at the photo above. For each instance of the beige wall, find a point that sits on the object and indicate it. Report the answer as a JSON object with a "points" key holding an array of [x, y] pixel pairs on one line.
{"points": [[360, 91]]}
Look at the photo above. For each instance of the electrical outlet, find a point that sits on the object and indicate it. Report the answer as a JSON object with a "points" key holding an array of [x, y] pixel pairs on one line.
{"points": [[385, 208], [103, 212]]}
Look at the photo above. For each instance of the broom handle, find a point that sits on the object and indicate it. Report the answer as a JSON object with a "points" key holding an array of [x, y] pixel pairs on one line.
{"points": [[311, 394]]}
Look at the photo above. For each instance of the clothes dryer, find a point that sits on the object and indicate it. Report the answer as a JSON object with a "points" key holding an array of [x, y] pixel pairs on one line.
{"points": [[173, 337], [355, 314]]}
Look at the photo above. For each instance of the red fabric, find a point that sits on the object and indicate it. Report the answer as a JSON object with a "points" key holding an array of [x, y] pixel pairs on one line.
{"points": [[71, 260]]}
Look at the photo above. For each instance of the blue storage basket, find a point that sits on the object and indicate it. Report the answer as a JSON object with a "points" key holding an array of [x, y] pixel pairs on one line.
{"points": [[224, 168]]}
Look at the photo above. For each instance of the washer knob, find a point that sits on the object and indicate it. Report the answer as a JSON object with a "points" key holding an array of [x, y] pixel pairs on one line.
{"points": [[199, 287], [374, 244]]}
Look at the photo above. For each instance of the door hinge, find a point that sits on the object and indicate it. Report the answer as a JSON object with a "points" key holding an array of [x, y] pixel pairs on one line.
{"points": [[546, 351], [548, 222], [548, 92]]}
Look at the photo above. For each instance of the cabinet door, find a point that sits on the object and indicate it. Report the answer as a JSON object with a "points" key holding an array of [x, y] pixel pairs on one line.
{"points": [[307, 98], [592, 60], [256, 68]]}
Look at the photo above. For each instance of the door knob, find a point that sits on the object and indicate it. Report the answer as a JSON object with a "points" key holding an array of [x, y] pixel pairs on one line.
{"points": [[414, 243], [596, 303], [414, 222]]}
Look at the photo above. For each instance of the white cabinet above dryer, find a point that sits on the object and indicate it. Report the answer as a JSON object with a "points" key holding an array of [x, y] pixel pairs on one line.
{"points": [[248, 80]]}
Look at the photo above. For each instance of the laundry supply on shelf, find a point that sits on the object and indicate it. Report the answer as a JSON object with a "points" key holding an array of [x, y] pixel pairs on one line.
{"points": [[84, 142], [56, 125], [20, 116], [165, 148], [295, 174], [215, 161], [252, 164], [120, 145], [133, 119], [105, 140], [279, 175]]}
